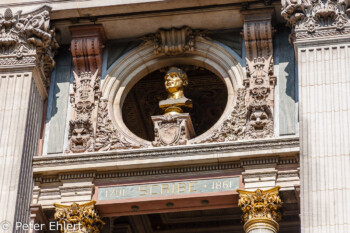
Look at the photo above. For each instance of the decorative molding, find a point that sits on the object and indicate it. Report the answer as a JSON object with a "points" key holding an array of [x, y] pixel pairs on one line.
{"points": [[173, 41], [78, 218], [260, 207], [239, 164], [275, 144], [310, 19], [27, 39]]}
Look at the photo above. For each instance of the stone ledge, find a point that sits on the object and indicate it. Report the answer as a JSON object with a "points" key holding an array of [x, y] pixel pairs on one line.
{"points": [[167, 156]]}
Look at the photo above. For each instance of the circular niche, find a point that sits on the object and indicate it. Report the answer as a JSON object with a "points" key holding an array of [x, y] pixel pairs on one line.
{"points": [[206, 90]]}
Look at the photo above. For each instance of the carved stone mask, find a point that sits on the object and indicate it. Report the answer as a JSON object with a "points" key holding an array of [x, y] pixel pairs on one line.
{"points": [[81, 136], [258, 120]]}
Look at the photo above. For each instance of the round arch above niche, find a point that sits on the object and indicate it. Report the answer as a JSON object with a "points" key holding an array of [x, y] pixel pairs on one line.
{"points": [[143, 60]]}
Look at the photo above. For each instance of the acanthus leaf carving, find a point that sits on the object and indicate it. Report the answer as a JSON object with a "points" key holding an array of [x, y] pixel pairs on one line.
{"points": [[82, 218], [233, 128], [314, 16], [28, 34], [260, 204], [107, 136]]}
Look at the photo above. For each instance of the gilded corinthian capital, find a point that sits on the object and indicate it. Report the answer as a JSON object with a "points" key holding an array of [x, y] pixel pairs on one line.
{"points": [[260, 209], [78, 218]]}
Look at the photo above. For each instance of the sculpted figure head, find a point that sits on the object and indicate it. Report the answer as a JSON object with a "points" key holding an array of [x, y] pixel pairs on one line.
{"points": [[80, 136], [175, 81]]}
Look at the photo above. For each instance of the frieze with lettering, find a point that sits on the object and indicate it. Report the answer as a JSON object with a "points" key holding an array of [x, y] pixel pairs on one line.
{"points": [[164, 189]]}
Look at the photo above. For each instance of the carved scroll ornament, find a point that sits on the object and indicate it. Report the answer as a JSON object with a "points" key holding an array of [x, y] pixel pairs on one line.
{"points": [[310, 18], [27, 34], [78, 218], [174, 41]]}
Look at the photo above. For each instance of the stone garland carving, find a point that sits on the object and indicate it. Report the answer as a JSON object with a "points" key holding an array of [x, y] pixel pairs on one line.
{"points": [[78, 218], [28, 34], [260, 204], [107, 137], [173, 41], [309, 16], [233, 128]]}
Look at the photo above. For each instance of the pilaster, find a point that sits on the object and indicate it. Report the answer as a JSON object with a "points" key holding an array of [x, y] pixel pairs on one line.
{"points": [[321, 37], [27, 47]]}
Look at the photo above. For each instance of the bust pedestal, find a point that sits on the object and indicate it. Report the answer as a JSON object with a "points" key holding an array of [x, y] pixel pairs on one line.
{"points": [[172, 129]]}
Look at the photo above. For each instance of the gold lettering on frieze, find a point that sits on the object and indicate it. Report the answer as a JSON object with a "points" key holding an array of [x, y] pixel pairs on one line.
{"points": [[168, 188]]}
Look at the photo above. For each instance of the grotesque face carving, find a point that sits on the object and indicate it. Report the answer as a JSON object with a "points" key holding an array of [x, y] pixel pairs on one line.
{"points": [[175, 80], [80, 136], [259, 119]]}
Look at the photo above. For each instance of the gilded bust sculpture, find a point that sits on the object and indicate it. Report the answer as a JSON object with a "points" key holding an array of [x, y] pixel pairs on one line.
{"points": [[175, 81]]}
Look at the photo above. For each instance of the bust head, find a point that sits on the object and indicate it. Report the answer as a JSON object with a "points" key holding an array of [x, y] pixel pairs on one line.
{"points": [[175, 80]]}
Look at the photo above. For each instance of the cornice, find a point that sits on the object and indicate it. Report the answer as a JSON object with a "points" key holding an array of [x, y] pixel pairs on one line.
{"points": [[105, 175], [174, 156]]}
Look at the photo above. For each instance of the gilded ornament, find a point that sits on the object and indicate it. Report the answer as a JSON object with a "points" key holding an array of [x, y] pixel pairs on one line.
{"points": [[175, 81], [260, 204], [78, 218]]}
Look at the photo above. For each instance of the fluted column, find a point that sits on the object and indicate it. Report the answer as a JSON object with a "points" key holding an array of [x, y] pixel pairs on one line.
{"points": [[321, 37], [26, 60], [260, 210], [78, 218]]}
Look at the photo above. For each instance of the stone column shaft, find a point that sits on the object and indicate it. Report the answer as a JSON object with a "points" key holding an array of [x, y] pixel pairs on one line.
{"points": [[26, 60], [324, 97], [321, 36]]}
